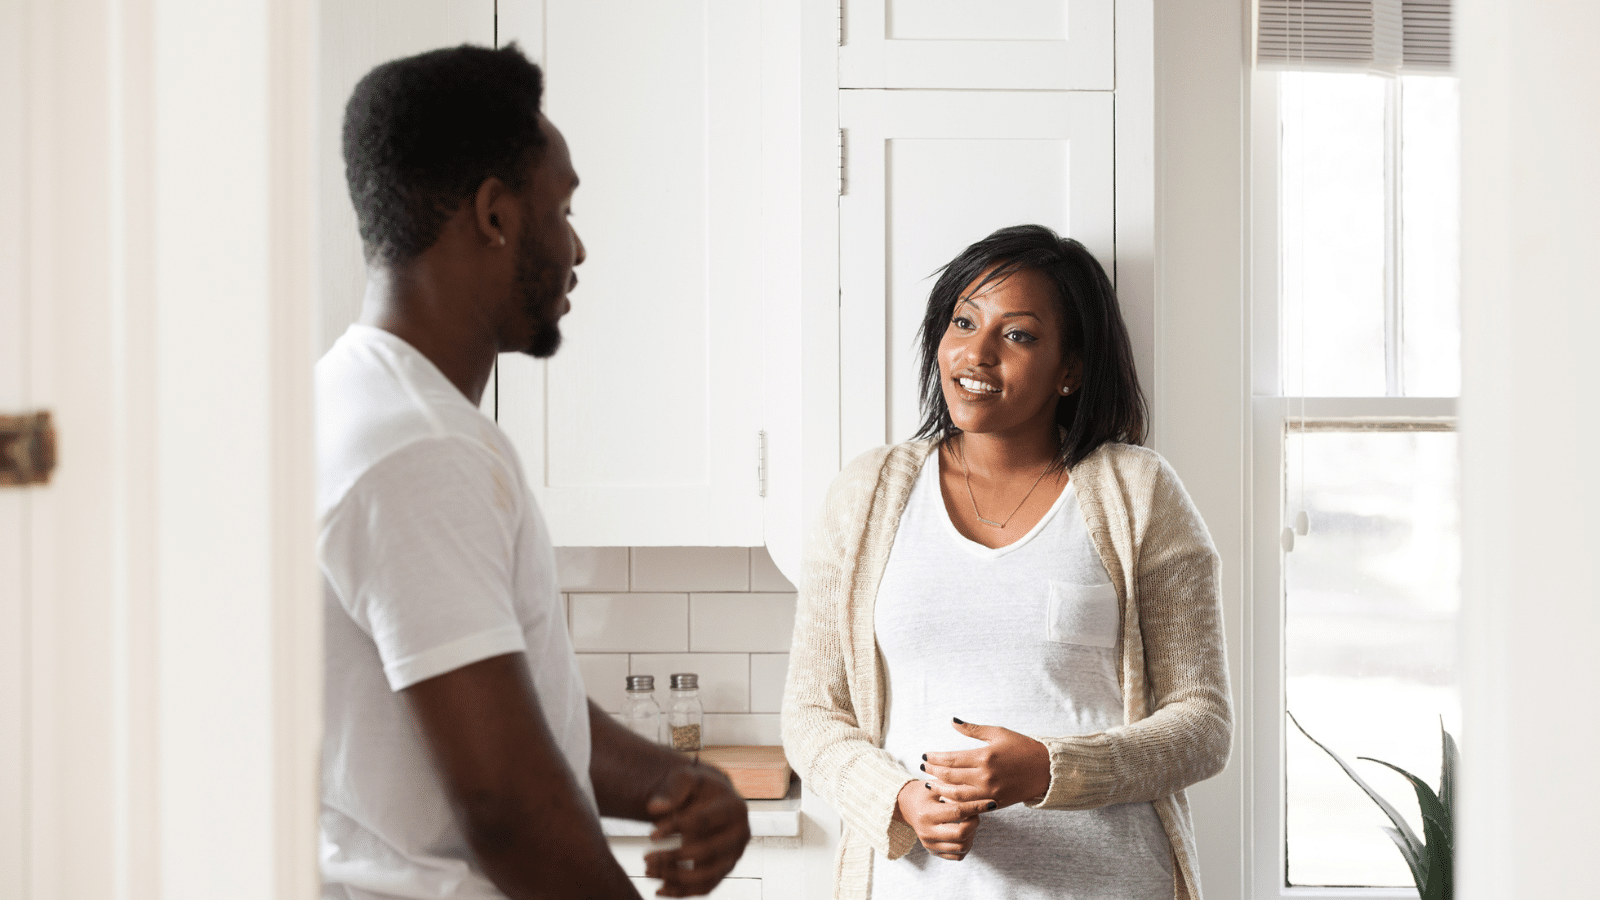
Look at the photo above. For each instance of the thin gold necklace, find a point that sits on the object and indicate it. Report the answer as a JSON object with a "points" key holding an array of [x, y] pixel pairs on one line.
{"points": [[967, 477]]}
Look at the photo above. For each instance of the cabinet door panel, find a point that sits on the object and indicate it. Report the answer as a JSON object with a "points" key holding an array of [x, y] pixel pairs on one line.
{"points": [[1037, 44], [642, 430], [353, 37], [929, 173]]}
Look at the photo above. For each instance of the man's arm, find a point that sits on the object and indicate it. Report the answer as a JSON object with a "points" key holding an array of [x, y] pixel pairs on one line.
{"points": [[636, 779], [520, 808]]}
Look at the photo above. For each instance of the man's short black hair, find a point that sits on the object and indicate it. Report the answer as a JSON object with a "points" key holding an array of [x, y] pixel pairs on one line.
{"points": [[1108, 405], [422, 133]]}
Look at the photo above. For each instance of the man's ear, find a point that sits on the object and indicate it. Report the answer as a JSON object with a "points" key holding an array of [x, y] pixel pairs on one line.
{"points": [[494, 211]]}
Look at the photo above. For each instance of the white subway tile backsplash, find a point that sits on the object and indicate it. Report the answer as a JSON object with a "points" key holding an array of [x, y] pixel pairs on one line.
{"points": [[629, 622], [592, 568], [605, 678], [741, 623], [767, 672], [756, 729], [764, 575], [691, 569], [724, 677]]}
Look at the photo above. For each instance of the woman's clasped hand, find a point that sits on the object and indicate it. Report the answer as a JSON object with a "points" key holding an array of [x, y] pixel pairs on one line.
{"points": [[946, 827], [1011, 768]]}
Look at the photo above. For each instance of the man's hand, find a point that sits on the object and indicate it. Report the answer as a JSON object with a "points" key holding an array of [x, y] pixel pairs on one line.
{"points": [[1013, 768], [697, 802], [946, 827]]}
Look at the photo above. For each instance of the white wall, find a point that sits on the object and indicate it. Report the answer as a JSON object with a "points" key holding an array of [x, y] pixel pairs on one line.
{"points": [[1531, 310], [1200, 389]]}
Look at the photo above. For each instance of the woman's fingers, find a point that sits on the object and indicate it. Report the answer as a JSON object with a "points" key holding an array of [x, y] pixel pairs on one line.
{"points": [[959, 793]]}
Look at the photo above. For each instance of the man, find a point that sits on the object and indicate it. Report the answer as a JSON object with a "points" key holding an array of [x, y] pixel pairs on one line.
{"points": [[461, 758]]}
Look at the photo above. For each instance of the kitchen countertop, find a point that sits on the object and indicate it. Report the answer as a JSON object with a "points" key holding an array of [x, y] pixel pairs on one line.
{"points": [[768, 818]]}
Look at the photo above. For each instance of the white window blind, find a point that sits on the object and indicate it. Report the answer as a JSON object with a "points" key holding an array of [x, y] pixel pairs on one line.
{"points": [[1379, 36]]}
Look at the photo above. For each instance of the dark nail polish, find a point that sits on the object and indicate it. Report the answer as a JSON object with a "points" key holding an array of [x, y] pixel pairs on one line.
{"points": [[957, 721], [924, 757], [928, 785], [992, 805], [923, 768]]}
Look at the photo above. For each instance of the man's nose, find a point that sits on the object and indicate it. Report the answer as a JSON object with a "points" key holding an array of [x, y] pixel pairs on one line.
{"points": [[582, 254]]}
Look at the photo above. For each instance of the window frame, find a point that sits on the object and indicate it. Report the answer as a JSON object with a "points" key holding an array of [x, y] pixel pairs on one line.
{"points": [[1271, 413]]}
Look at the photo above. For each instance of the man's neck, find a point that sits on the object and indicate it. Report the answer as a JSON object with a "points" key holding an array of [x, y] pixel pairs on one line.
{"points": [[415, 305]]}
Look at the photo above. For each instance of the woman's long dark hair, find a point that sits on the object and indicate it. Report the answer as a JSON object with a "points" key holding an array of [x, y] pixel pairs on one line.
{"points": [[1108, 405]]}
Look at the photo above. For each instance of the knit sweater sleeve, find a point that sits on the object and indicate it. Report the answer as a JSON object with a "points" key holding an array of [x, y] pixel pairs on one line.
{"points": [[1186, 736], [822, 737]]}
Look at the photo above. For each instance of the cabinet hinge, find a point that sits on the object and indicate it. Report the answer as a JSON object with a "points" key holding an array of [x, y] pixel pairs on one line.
{"points": [[843, 186], [27, 449], [761, 463]]}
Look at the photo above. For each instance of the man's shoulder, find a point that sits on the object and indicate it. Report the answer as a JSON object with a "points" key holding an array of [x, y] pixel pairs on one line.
{"points": [[371, 413]]}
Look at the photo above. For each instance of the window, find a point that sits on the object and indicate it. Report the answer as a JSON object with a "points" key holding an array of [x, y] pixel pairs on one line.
{"points": [[1356, 519]]}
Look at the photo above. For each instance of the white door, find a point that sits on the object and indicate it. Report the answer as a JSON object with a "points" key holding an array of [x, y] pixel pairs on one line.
{"points": [[14, 398], [996, 44], [927, 173], [643, 429]]}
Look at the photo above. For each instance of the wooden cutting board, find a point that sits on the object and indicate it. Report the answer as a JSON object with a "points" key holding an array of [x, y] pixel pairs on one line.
{"points": [[757, 773]]}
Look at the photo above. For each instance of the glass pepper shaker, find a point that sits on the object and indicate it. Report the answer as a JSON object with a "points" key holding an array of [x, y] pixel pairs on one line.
{"points": [[684, 712], [640, 712]]}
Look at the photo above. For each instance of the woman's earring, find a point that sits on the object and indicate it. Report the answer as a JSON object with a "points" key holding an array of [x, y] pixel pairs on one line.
{"points": [[1066, 389]]}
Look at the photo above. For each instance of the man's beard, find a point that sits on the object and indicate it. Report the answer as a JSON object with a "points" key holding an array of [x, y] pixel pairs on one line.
{"points": [[536, 283]]}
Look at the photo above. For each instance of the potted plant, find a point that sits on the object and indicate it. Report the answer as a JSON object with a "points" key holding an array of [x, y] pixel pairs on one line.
{"points": [[1430, 859]]}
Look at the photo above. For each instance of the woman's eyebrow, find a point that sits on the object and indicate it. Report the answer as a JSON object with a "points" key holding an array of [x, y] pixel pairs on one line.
{"points": [[1009, 315]]}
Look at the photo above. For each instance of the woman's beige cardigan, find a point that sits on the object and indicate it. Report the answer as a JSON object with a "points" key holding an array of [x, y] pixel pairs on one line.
{"points": [[1173, 670]]}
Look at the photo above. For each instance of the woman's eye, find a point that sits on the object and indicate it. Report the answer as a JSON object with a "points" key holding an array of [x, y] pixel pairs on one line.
{"points": [[1021, 337], [962, 322]]}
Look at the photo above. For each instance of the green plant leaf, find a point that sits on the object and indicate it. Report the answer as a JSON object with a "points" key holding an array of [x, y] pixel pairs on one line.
{"points": [[1418, 864], [1399, 821], [1432, 810], [1441, 863], [1449, 760]]}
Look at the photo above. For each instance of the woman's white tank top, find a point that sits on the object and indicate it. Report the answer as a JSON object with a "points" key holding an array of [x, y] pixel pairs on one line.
{"points": [[1023, 636]]}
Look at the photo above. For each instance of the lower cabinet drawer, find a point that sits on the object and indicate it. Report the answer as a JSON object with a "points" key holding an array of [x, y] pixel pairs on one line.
{"points": [[729, 889]]}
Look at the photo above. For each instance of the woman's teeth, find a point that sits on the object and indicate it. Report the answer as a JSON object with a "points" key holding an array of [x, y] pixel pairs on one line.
{"points": [[977, 387]]}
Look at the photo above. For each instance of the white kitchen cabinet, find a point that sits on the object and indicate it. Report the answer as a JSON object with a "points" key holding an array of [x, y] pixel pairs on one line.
{"points": [[353, 37], [927, 173], [997, 44], [645, 429], [770, 869]]}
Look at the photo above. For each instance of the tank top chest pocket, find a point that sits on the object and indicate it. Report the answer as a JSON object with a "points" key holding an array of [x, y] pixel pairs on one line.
{"points": [[1083, 614]]}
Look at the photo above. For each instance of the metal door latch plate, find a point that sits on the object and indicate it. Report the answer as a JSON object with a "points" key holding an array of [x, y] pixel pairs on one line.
{"points": [[27, 449]]}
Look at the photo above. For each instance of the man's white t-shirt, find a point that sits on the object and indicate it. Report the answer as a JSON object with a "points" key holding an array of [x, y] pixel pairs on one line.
{"points": [[433, 556]]}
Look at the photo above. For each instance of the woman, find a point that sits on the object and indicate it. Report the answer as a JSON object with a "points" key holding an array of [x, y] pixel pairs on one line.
{"points": [[1027, 566]]}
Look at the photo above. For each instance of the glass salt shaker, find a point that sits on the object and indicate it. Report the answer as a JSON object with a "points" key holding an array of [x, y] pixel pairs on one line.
{"points": [[640, 712], [684, 712]]}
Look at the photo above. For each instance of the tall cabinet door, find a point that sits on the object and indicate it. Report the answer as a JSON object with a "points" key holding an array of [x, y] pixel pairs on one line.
{"points": [[644, 428], [928, 173], [353, 36], [997, 44]]}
